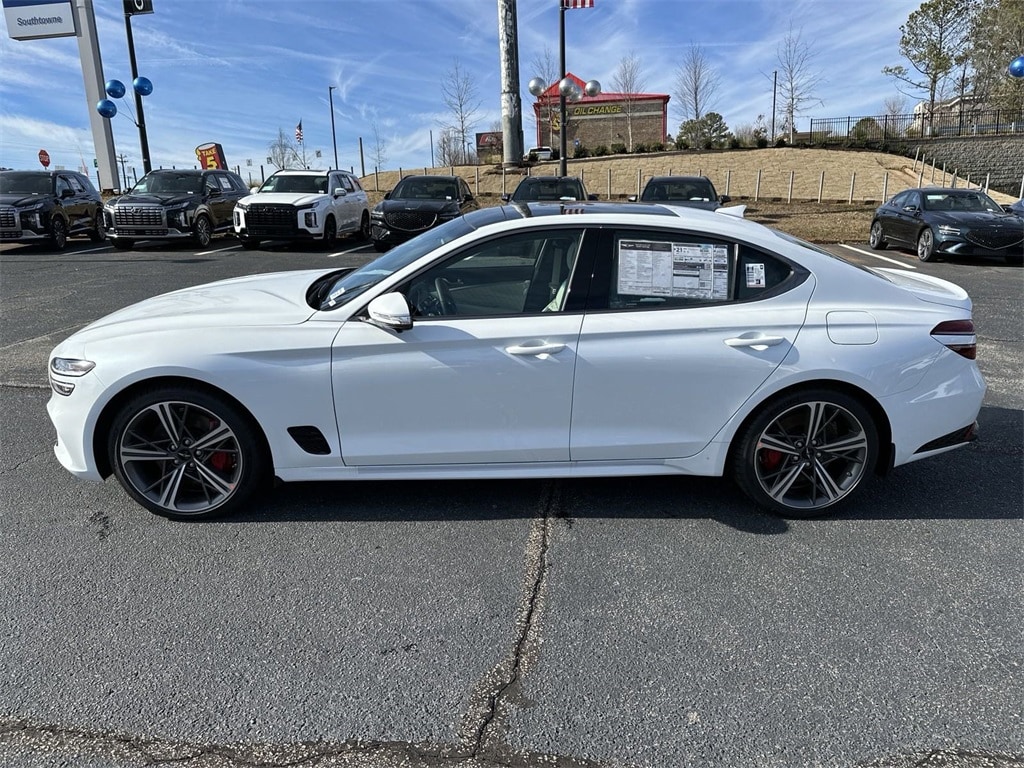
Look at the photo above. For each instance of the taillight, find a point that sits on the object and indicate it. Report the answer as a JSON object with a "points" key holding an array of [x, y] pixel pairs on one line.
{"points": [[957, 335]]}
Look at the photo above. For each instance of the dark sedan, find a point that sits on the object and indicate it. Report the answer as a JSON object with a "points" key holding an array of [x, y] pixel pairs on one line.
{"points": [[416, 204], [534, 188], [940, 222], [691, 191], [49, 207]]}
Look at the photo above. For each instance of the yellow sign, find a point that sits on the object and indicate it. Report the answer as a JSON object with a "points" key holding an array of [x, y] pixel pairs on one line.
{"points": [[556, 123]]}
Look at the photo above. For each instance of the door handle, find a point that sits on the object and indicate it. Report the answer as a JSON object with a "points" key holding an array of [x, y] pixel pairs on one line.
{"points": [[535, 348], [758, 342]]}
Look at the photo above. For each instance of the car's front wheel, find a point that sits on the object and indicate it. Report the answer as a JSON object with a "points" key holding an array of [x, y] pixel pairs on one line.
{"points": [[926, 245], [202, 230], [58, 233], [380, 246], [877, 237], [806, 452], [186, 454], [98, 234], [330, 231]]}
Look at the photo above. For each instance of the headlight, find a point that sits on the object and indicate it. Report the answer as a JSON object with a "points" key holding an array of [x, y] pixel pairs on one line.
{"points": [[243, 207], [69, 366], [34, 207], [376, 214], [948, 229]]}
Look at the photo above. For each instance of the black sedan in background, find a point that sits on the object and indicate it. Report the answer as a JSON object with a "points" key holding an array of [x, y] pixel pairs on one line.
{"points": [[416, 204], [953, 222], [49, 207], [691, 191], [551, 188]]}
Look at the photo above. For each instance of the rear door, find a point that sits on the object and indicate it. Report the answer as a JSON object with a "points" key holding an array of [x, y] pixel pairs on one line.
{"points": [[680, 331]]}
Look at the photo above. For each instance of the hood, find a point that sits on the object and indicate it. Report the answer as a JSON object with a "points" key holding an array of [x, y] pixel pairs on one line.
{"points": [[159, 198], [283, 198], [972, 218], [21, 200], [259, 300], [927, 288], [422, 206]]}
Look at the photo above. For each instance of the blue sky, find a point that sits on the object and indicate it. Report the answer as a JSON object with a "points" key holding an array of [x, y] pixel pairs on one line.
{"points": [[237, 71]]}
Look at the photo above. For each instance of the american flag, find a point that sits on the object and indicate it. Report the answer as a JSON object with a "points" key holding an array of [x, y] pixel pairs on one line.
{"points": [[570, 4], [298, 132]]}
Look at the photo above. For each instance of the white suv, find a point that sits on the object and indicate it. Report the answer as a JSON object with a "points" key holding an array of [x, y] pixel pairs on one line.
{"points": [[303, 205]]}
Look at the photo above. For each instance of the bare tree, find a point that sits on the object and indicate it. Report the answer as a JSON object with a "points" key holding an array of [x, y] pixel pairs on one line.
{"points": [[935, 41], [545, 66], [895, 105], [697, 83], [283, 153], [379, 149], [460, 97], [798, 77], [450, 149], [629, 81]]}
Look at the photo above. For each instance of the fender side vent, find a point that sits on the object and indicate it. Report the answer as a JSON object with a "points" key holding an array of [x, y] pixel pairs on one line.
{"points": [[310, 439]]}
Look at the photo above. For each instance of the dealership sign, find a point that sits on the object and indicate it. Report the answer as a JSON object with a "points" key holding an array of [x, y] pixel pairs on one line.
{"points": [[34, 19]]}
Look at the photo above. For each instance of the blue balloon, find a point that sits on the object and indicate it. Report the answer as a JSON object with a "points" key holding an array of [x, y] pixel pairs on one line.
{"points": [[106, 108], [1017, 67], [115, 89], [142, 86]]}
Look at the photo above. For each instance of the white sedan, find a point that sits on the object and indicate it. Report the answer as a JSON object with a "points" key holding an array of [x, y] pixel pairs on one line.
{"points": [[517, 341]]}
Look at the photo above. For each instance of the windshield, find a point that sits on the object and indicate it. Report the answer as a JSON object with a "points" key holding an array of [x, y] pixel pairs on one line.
{"points": [[548, 189], [973, 202], [25, 183], [163, 182], [309, 183], [696, 191], [420, 188], [348, 286]]}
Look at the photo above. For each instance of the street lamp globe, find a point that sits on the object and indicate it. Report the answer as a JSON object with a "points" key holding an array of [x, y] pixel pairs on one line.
{"points": [[537, 86], [592, 88]]}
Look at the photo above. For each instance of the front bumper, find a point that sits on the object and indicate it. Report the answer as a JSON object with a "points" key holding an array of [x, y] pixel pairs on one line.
{"points": [[278, 222], [18, 225]]}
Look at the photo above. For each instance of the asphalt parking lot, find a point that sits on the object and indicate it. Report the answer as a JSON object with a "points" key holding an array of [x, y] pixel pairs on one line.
{"points": [[634, 622]]}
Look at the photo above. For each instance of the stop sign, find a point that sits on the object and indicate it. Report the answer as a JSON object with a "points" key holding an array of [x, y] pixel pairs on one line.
{"points": [[44, 158]]}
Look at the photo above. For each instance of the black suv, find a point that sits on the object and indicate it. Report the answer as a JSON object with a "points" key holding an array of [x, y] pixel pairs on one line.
{"points": [[689, 191], [556, 188], [416, 204], [49, 206], [171, 205]]}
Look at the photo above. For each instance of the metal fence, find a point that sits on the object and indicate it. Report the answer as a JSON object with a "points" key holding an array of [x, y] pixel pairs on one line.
{"points": [[892, 129]]}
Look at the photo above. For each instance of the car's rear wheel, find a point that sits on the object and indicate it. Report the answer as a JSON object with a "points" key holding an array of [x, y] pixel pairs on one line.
{"points": [[185, 454], [926, 245], [58, 233], [806, 452], [364, 227], [330, 231], [121, 244], [98, 234], [202, 230], [877, 237]]}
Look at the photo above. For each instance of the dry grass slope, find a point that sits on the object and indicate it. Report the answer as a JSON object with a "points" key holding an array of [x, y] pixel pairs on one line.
{"points": [[781, 187]]}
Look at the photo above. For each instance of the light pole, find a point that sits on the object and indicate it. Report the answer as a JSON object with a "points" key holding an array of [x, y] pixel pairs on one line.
{"points": [[143, 139], [567, 90], [334, 136]]}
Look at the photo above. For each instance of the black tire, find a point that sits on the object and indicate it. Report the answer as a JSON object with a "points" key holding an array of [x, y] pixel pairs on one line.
{"points": [[330, 232], [877, 239], [380, 246], [185, 454], [364, 227], [58, 233], [121, 244], [249, 243], [98, 234], [202, 230], [1014, 259], [806, 452], [926, 245]]}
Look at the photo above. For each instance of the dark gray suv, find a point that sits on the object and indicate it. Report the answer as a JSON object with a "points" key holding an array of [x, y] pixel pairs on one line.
{"points": [[174, 205], [49, 207]]}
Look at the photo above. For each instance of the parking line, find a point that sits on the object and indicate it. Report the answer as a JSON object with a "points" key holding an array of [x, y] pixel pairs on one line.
{"points": [[883, 258], [345, 253], [93, 250], [220, 250]]}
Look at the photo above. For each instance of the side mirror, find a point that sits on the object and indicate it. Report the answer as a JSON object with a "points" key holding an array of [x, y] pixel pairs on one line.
{"points": [[340, 192], [592, 196], [506, 197], [632, 198], [214, 192], [724, 199], [67, 193], [391, 312], [1007, 209], [387, 195]]}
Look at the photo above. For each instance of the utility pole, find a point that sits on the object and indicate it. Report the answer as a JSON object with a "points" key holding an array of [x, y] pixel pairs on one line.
{"points": [[511, 103]]}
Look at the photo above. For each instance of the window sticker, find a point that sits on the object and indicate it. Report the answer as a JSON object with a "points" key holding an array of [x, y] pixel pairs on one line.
{"points": [[755, 276], [674, 270]]}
